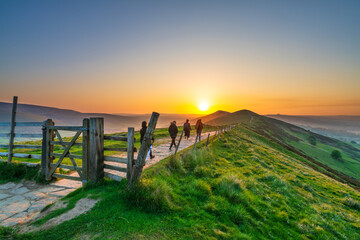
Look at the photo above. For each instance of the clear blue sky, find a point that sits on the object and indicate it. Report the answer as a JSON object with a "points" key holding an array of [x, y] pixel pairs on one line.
{"points": [[297, 57]]}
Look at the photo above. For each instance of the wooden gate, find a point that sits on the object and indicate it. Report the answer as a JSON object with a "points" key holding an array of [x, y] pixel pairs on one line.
{"points": [[53, 137]]}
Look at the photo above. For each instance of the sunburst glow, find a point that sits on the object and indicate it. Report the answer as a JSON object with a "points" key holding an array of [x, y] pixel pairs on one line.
{"points": [[203, 106]]}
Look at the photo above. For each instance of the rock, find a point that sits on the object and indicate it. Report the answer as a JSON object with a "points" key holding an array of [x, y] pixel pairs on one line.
{"points": [[14, 220], [7, 186], [8, 201], [63, 192], [39, 205], [19, 191], [17, 207], [4, 195], [35, 195]]}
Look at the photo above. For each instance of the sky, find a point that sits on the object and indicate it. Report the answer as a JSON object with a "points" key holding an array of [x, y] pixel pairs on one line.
{"points": [[288, 57]]}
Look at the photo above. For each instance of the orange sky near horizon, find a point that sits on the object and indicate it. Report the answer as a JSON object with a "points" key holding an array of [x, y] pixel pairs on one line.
{"points": [[298, 58]]}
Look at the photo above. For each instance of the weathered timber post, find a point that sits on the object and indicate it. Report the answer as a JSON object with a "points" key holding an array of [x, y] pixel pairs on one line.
{"points": [[144, 149], [46, 148], [130, 153], [207, 142], [177, 146], [96, 149], [12, 128], [85, 151]]}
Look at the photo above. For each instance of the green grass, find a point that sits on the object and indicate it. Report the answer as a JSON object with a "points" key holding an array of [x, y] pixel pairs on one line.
{"points": [[298, 138], [16, 172], [243, 186]]}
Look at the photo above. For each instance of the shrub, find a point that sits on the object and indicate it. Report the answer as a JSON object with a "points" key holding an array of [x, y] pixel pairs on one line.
{"points": [[336, 155], [312, 140]]}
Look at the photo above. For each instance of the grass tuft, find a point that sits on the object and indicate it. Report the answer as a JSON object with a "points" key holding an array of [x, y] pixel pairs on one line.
{"points": [[229, 186], [154, 196], [351, 203]]}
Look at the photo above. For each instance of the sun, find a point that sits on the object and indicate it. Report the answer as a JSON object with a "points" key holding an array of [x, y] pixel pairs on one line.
{"points": [[203, 106]]}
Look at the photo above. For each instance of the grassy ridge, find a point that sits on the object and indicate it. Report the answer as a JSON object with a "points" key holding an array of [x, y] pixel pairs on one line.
{"points": [[244, 187], [320, 150]]}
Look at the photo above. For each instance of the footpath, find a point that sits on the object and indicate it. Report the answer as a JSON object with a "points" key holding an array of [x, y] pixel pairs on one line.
{"points": [[21, 202]]}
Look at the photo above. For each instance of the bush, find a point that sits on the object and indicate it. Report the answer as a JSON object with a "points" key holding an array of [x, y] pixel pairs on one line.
{"points": [[336, 155], [312, 140]]}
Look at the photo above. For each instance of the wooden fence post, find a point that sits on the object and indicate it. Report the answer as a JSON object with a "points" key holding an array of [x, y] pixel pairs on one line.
{"points": [[177, 146], [130, 153], [96, 149], [144, 149], [46, 148], [49, 148], [207, 142], [85, 152], [12, 129]]}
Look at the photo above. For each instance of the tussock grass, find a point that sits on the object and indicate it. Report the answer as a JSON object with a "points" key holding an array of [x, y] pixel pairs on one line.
{"points": [[154, 196]]}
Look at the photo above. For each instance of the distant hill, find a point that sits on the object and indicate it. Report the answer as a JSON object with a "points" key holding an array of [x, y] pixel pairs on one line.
{"points": [[207, 118], [113, 122], [344, 128], [235, 117]]}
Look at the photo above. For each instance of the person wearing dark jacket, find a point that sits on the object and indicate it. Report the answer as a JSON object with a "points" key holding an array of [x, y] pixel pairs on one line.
{"points": [[173, 130], [187, 129], [199, 126], [142, 134]]}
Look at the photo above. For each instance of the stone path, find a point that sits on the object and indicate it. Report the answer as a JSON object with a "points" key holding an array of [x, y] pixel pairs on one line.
{"points": [[23, 201], [161, 151]]}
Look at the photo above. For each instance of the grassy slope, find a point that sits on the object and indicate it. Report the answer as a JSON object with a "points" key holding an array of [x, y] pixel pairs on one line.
{"points": [[244, 186], [299, 139]]}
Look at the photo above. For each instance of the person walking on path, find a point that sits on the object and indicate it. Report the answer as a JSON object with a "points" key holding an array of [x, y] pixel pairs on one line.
{"points": [[173, 130], [199, 127], [142, 134], [187, 129]]}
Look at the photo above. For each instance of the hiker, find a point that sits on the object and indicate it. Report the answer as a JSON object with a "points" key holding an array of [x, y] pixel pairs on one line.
{"points": [[187, 129], [173, 130], [199, 126], [142, 134]]}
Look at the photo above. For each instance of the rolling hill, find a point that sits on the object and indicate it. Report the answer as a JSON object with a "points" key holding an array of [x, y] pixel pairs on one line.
{"points": [[113, 122], [207, 118], [243, 186], [344, 128], [298, 140]]}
